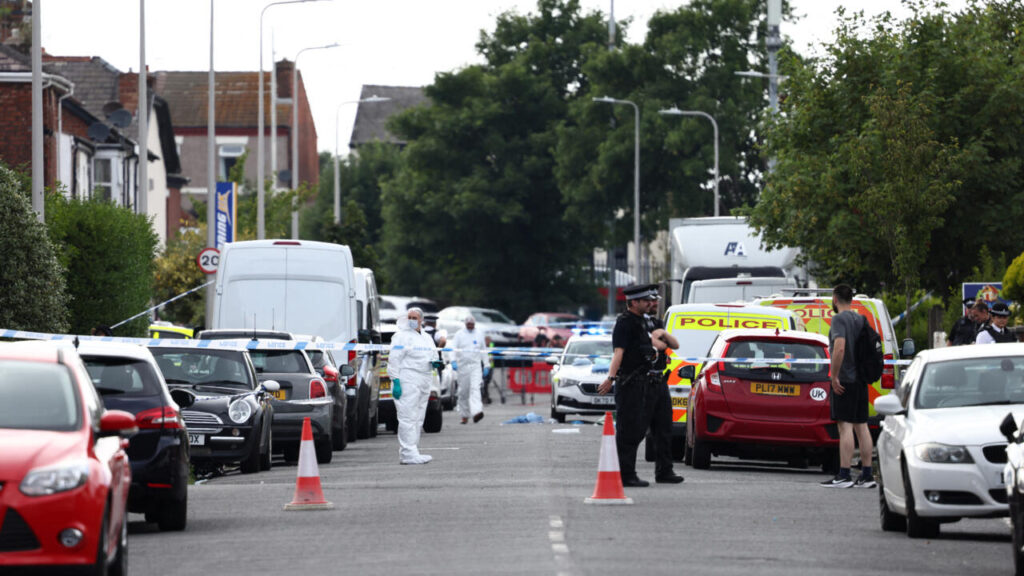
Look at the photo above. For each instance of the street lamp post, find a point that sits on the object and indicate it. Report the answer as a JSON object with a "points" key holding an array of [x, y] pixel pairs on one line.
{"points": [[674, 111], [337, 174], [636, 176], [295, 133], [261, 232]]}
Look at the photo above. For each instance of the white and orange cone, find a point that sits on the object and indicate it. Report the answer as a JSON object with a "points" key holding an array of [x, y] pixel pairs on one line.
{"points": [[608, 489], [308, 494]]}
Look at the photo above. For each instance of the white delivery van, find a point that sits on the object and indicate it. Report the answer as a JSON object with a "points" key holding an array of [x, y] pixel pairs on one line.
{"points": [[297, 286], [368, 369], [741, 289]]}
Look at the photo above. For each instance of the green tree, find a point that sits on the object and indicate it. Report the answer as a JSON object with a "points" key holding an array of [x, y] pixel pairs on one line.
{"points": [[33, 292], [959, 77], [108, 253], [176, 272]]}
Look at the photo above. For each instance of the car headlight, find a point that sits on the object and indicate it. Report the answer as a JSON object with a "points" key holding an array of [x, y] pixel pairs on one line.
{"points": [[54, 479], [567, 382], [943, 453], [240, 411]]}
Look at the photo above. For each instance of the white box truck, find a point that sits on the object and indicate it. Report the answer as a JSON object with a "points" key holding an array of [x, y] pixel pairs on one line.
{"points": [[720, 259]]}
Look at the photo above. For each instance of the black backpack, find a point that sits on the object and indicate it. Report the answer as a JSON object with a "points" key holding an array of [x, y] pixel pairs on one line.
{"points": [[868, 354]]}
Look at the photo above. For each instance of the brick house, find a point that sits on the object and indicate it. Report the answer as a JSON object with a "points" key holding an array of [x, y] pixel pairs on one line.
{"points": [[237, 109]]}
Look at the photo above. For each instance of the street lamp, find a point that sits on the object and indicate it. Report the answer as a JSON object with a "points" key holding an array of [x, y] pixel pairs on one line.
{"points": [[261, 232], [674, 111], [295, 132], [636, 175], [337, 176]]}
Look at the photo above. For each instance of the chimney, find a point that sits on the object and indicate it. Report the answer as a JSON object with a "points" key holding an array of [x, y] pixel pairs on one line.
{"points": [[284, 70]]}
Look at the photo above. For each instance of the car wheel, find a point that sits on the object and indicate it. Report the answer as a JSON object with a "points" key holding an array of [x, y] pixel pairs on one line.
{"points": [[678, 447], [374, 425], [363, 430], [391, 423], [119, 567], [340, 435], [830, 462], [101, 568], [324, 451], [266, 458], [1017, 527], [701, 458], [351, 421], [889, 520], [917, 527], [687, 453], [173, 515], [251, 464], [558, 416], [434, 419]]}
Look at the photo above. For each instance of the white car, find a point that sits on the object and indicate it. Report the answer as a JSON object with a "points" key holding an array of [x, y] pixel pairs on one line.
{"points": [[940, 450], [577, 372]]}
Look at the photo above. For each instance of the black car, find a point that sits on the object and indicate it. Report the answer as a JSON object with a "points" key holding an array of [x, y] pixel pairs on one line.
{"points": [[127, 378], [226, 409]]}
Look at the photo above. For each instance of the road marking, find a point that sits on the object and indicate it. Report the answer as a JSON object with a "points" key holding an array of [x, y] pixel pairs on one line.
{"points": [[556, 522], [559, 548], [555, 536]]}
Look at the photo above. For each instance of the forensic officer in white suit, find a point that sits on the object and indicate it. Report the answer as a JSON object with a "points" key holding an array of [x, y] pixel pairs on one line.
{"points": [[410, 368], [470, 353]]}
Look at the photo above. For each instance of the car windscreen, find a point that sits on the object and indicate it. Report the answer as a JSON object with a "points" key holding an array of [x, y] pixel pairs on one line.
{"points": [[492, 316], [583, 350], [38, 396], [206, 366], [971, 382], [753, 351], [279, 361], [122, 376]]}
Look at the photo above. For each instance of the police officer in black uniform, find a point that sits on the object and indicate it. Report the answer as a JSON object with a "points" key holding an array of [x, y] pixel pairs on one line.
{"points": [[641, 397], [965, 329]]}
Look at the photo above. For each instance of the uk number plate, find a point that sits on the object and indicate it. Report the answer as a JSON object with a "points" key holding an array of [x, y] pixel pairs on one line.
{"points": [[775, 389], [680, 401], [279, 394], [197, 440], [604, 400], [385, 386]]}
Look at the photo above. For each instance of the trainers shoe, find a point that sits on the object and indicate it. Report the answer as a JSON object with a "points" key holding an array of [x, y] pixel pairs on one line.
{"points": [[863, 482], [838, 482]]}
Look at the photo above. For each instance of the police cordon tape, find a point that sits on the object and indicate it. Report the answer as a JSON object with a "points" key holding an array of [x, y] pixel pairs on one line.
{"points": [[508, 353]]}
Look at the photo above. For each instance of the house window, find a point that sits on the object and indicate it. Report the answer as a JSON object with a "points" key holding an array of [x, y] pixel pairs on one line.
{"points": [[228, 156], [103, 178]]}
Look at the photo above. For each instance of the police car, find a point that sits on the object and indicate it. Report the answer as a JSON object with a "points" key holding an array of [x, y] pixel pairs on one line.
{"points": [[577, 372]]}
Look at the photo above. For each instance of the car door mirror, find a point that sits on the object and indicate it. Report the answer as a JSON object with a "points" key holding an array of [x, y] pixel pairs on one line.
{"points": [[117, 423], [907, 350], [270, 385], [889, 405], [1008, 428], [552, 360], [347, 371], [687, 372]]}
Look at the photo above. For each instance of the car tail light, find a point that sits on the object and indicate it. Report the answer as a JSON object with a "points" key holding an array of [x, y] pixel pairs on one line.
{"points": [[317, 389], [888, 374], [162, 417], [352, 352], [714, 383], [330, 373]]}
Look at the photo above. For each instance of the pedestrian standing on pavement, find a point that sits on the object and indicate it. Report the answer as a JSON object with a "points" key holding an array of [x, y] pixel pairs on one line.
{"points": [[470, 355], [409, 366], [642, 400], [965, 329], [997, 332], [849, 399]]}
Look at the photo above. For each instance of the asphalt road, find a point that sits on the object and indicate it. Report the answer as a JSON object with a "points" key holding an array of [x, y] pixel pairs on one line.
{"points": [[508, 499]]}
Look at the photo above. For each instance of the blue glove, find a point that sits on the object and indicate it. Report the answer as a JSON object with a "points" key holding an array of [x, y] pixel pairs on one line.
{"points": [[487, 371], [455, 365], [396, 388]]}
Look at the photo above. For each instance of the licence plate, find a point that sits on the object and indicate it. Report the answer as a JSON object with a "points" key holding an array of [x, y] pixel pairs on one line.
{"points": [[197, 440], [279, 394], [385, 385], [604, 400], [680, 401], [775, 389]]}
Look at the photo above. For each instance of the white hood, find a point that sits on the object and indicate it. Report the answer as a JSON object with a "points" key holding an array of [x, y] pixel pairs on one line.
{"points": [[967, 426]]}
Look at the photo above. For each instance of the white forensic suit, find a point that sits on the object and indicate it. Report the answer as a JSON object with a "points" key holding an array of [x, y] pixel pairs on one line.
{"points": [[410, 364], [470, 354]]}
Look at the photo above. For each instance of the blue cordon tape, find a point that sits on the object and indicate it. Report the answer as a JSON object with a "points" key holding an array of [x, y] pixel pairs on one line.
{"points": [[507, 353]]}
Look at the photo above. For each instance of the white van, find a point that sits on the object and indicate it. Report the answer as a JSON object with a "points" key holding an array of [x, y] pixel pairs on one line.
{"points": [[297, 286], [741, 289], [368, 369]]}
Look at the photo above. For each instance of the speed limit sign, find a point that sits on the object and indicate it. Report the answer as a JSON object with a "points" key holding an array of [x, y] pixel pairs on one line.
{"points": [[208, 260]]}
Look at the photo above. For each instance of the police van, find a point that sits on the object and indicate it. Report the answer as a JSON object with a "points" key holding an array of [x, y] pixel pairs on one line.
{"points": [[696, 326]]}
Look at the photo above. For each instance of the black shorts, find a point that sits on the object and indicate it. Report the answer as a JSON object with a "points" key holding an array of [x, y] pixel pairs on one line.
{"points": [[852, 405]]}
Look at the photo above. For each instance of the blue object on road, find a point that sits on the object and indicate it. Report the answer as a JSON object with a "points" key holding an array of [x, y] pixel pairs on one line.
{"points": [[396, 388], [531, 418]]}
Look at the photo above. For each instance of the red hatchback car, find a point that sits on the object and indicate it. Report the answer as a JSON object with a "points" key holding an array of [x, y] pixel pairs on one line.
{"points": [[759, 410], [64, 473]]}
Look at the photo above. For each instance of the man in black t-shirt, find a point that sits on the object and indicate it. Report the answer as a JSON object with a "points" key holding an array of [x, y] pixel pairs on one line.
{"points": [[641, 396]]}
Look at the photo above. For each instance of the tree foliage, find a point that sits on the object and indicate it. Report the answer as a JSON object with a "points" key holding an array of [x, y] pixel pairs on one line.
{"points": [[33, 292], [176, 272], [108, 253], [948, 85]]}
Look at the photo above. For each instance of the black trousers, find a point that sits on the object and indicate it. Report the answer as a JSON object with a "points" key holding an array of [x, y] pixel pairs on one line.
{"points": [[643, 403]]}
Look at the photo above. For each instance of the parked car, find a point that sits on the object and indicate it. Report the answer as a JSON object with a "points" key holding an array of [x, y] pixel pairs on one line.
{"points": [[66, 476], [548, 329], [367, 364], [226, 409], [577, 372], [941, 455], [761, 410], [1013, 477], [338, 388], [393, 307], [499, 329], [128, 378]]}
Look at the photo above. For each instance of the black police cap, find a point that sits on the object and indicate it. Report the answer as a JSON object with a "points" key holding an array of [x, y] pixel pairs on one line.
{"points": [[641, 292]]}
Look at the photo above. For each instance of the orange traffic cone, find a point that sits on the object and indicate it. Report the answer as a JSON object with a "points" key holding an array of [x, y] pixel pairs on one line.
{"points": [[308, 494], [609, 481]]}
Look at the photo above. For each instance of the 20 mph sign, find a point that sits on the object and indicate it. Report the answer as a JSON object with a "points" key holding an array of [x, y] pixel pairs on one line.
{"points": [[208, 260]]}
